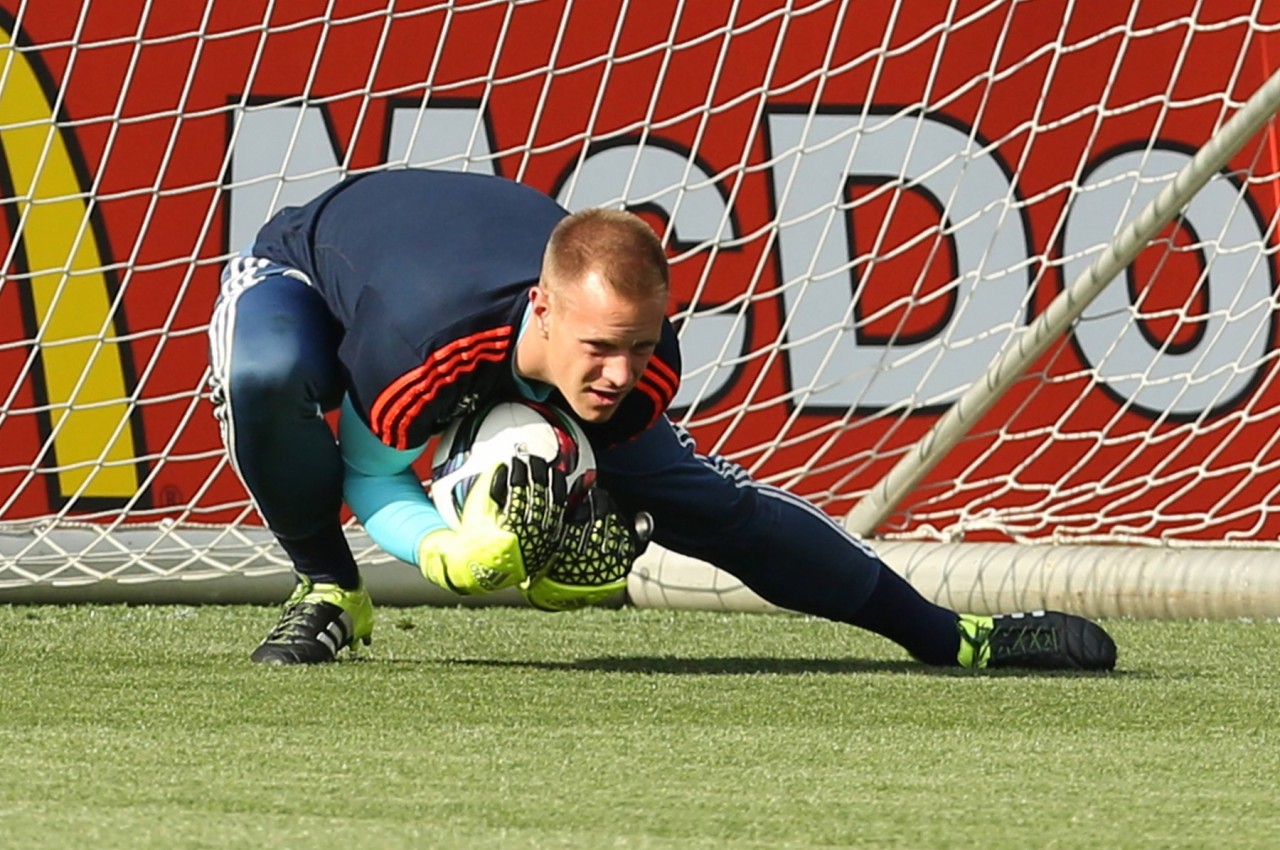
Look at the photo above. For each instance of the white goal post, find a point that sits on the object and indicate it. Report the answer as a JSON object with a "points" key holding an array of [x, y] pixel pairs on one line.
{"points": [[995, 282]]}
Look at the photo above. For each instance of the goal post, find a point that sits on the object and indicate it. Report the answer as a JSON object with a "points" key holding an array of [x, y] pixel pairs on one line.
{"points": [[911, 271]]}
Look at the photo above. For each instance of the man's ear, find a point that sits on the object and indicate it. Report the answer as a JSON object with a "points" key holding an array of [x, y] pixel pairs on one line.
{"points": [[540, 303]]}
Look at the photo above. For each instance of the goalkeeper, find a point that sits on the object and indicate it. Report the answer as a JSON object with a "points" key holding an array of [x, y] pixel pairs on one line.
{"points": [[408, 298]]}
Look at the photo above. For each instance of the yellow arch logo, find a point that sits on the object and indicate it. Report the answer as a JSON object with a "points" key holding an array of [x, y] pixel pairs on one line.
{"points": [[83, 372]]}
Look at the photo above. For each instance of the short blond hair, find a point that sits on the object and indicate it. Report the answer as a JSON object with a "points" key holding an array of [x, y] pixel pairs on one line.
{"points": [[621, 247]]}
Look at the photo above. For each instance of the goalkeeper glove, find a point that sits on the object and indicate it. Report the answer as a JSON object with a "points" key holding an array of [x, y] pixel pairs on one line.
{"points": [[600, 545], [509, 529]]}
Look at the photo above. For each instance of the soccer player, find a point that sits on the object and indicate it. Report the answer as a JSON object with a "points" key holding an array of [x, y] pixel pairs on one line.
{"points": [[408, 298]]}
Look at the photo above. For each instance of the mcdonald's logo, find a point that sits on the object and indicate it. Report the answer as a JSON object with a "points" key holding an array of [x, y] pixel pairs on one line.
{"points": [[82, 373]]}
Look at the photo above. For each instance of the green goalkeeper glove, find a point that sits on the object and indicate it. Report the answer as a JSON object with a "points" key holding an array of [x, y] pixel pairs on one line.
{"points": [[600, 545], [510, 526]]}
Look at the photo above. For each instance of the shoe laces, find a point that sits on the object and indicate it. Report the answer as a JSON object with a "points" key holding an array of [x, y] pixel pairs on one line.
{"points": [[300, 591], [297, 620], [1026, 637]]}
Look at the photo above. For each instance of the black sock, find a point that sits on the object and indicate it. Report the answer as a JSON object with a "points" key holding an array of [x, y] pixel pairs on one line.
{"points": [[897, 611], [324, 557]]}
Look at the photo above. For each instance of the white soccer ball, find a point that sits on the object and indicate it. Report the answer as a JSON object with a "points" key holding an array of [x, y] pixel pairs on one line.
{"points": [[495, 434]]}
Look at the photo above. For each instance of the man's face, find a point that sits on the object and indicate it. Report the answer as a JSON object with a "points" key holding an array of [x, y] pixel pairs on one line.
{"points": [[597, 341]]}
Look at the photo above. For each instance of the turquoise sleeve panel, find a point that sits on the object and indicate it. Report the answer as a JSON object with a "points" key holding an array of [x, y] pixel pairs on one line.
{"points": [[364, 452], [383, 491], [394, 509]]}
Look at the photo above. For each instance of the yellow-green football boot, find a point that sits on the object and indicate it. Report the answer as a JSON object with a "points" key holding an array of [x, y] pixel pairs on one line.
{"points": [[1041, 640], [317, 622]]}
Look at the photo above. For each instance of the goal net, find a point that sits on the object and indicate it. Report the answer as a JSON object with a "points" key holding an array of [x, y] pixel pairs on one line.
{"points": [[865, 203]]}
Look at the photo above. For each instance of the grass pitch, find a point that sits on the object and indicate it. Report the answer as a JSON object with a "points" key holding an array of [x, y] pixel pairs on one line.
{"points": [[147, 727]]}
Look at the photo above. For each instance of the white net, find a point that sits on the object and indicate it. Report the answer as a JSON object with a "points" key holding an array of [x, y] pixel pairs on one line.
{"points": [[863, 202]]}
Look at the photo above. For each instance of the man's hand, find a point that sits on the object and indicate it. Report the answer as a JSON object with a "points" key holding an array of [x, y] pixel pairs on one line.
{"points": [[510, 526], [600, 545]]}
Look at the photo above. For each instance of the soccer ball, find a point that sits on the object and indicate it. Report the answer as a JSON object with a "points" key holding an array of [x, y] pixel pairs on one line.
{"points": [[495, 434]]}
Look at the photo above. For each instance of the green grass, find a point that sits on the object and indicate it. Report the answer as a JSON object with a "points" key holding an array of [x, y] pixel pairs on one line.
{"points": [[463, 728]]}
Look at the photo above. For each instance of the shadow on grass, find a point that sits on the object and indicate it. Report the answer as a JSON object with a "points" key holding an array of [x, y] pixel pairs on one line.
{"points": [[747, 666]]}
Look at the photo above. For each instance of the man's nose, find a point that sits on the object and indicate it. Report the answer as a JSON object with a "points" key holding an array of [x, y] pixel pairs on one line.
{"points": [[617, 370]]}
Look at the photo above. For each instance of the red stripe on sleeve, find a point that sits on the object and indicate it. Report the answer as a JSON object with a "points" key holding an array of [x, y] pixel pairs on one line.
{"points": [[659, 405], [493, 352], [412, 390], [660, 383], [665, 373]]}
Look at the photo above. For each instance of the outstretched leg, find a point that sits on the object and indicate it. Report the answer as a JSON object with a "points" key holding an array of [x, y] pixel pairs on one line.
{"points": [[795, 556]]}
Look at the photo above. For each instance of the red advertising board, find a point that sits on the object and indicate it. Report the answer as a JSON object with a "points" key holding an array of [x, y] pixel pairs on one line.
{"points": [[143, 98]]}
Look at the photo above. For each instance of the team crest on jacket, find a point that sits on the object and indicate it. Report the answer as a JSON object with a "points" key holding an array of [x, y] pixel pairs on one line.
{"points": [[467, 404]]}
